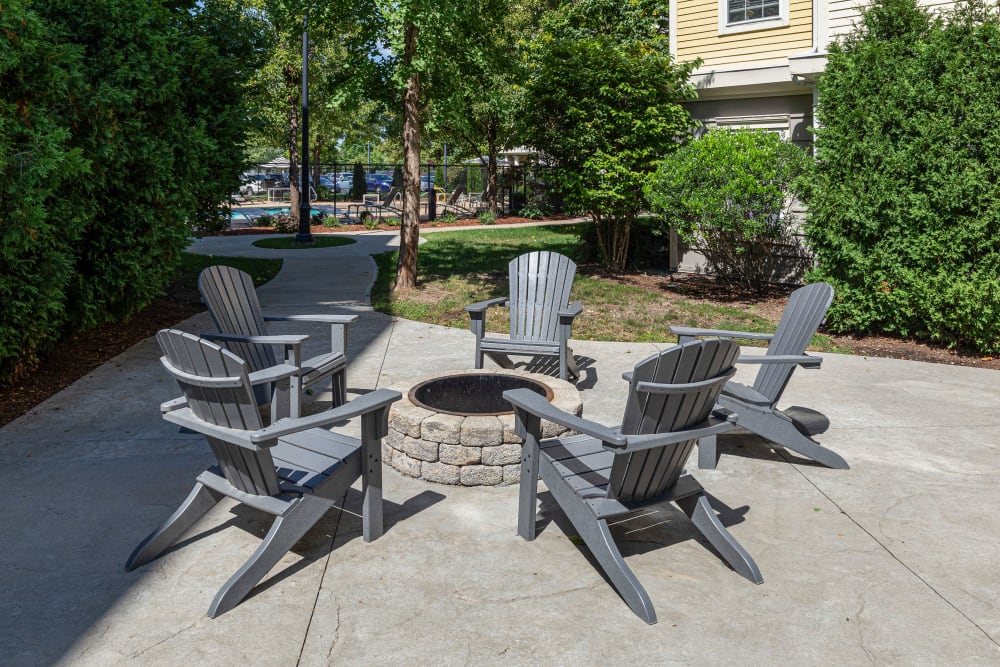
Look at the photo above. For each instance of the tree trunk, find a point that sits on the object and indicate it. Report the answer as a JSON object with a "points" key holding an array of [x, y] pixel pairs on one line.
{"points": [[291, 81], [491, 165], [614, 236], [409, 229]]}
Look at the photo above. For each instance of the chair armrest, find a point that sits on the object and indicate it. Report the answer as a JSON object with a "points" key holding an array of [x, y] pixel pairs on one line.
{"points": [[710, 426], [804, 360], [572, 310], [535, 404], [690, 332], [481, 306], [273, 373], [174, 404], [378, 399], [184, 417], [294, 339], [329, 319]]}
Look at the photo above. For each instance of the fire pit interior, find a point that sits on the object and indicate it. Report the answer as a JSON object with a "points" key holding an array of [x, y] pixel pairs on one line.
{"points": [[465, 394], [455, 428]]}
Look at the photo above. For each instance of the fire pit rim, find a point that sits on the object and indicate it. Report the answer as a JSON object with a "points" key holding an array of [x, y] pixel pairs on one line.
{"points": [[455, 375]]}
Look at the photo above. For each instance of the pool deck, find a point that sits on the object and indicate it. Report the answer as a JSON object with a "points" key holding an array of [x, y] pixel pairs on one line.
{"points": [[891, 562]]}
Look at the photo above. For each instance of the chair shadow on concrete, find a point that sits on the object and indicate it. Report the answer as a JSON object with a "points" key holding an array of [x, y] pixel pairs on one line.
{"points": [[745, 444], [644, 530], [544, 365], [330, 533]]}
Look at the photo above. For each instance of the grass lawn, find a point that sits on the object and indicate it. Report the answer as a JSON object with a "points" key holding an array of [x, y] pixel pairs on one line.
{"points": [[261, 270], [462, 267]]}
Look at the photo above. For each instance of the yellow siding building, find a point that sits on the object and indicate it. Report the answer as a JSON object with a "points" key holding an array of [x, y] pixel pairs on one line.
{"points": [[759, 63]]}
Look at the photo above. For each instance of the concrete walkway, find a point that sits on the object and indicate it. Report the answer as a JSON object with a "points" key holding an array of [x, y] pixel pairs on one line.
{"points": [[892, 562]]}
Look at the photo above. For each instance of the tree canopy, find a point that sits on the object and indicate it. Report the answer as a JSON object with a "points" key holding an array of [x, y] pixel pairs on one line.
{"points": [[603, 106]]}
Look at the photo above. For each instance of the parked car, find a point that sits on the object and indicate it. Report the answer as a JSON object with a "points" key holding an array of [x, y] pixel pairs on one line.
{"points": [[378, 182], [342, 181], [253, 184], [426, 182]]}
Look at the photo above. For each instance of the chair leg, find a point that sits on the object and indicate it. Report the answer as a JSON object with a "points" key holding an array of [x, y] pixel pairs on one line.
{"points": [[199, 501], [339, 388], [705, 520], [708, 452], [780, 430], [528, 486], [597, 536], [567, 364], [285, 532]]}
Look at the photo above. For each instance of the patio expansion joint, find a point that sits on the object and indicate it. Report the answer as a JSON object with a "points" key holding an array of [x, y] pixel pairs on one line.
{"points": [[385, 354], [892, 555], [333, 538], [322, 578]]}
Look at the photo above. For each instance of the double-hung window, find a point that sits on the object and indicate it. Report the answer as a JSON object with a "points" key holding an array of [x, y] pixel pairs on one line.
{"points": [[743, 15], [751, 10]]}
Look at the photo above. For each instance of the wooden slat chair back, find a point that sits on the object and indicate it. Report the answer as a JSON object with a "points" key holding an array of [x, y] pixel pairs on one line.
{"points": [[803, 315], [648, 473], [295, 469], [541, 314], [757, 404], [232, 302], [540, 284], [603, 473], [235, 309], [217, 387]]}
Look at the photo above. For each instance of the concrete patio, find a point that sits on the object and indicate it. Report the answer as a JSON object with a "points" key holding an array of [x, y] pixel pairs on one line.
{"points": [[891, 562]]}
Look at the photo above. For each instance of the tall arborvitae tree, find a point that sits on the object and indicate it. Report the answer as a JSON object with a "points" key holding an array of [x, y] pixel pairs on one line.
{"points": [[904, 206], [124, 128]]}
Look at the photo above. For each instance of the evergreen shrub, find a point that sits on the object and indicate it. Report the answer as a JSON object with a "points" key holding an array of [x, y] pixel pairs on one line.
{"points": [[121, 130], [729, 195], [904, 205], [358, 183]]}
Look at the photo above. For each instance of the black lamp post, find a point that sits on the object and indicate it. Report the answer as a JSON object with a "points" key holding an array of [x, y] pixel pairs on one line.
{"points": [[305, 215]]}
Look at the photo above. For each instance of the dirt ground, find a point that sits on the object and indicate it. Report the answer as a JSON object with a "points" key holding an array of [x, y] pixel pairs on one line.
{"points": [[78, 355]]}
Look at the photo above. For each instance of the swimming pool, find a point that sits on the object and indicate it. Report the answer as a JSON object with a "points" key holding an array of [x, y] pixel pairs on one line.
{"points": [[247, 214]]}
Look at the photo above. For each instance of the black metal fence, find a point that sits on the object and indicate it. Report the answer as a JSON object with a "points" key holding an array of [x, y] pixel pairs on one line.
{"points": [[462, 186]]}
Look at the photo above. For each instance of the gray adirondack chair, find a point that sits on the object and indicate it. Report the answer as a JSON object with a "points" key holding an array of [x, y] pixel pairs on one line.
{"points": [[232, 302], [757, 405], [606, 472], [541, 315], [293, 469]]}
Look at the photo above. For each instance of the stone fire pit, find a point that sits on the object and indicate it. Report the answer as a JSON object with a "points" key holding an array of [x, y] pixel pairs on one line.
{"points": [[461, 431]]}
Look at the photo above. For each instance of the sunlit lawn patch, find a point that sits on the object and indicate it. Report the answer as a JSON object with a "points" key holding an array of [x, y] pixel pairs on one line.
{"points": [[462, 267]]}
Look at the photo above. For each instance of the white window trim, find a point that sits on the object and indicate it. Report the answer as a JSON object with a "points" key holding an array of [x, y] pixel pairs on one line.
{"points": [[777, 123], [779, 21]]}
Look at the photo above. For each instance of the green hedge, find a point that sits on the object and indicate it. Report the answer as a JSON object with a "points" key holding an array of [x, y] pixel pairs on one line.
{"points": [[39, 230], [905, 201], [729, 195], [121, 126]]}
